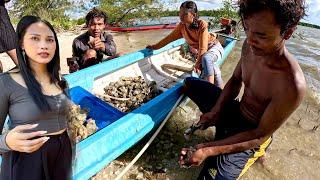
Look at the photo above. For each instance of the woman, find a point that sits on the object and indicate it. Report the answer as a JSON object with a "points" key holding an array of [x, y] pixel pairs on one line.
{"points": [[37, 145], [7, 35], [196, 33]]}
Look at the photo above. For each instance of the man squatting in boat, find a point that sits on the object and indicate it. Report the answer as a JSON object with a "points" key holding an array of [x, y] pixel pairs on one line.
{"points": [[274, 86], [195, 32], [89, 48]]}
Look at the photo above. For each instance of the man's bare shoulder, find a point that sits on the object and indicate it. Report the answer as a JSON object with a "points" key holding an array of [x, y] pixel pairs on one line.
{"points": [[292, 82], [294, 69]]}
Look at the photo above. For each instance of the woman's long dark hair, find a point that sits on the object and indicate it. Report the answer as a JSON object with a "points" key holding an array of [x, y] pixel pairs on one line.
{"points": [[53, 66], [192, 7]]}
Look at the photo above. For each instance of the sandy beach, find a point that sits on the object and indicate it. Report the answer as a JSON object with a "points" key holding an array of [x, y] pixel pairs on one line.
{"points": [[126, 43]]}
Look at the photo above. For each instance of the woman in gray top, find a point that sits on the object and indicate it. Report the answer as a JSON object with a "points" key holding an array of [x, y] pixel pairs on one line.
{"points": [[36, 145]]}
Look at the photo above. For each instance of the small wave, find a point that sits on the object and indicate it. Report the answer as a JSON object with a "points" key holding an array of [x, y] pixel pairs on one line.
{"points": [[315, 96], [307, 60], [314, 86]]}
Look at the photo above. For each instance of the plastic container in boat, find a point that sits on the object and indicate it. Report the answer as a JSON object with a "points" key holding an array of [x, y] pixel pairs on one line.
{"points": [[103, 113]]}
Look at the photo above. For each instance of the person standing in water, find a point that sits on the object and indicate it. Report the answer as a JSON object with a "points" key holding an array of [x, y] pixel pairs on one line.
{"points": [[8, 38], [274, 87], [195, 32], [37, 145]]}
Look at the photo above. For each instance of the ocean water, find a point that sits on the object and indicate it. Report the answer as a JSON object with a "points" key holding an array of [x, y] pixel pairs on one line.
{"points": [[306, 48]]}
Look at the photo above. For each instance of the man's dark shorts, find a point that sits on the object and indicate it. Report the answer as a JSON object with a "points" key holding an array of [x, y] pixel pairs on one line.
{"points": [[225, 166]]}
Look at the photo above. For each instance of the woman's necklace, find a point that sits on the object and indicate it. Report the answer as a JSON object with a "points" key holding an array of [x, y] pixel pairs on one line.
{"points": [[43, 80]]}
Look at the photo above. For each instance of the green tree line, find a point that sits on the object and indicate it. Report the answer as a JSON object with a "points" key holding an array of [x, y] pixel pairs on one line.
{"points": [[51, 10], [309, 25], [120, 12]]}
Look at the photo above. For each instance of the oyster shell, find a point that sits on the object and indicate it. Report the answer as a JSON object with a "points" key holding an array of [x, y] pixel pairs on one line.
{"points": [[128, 93], [78, 127]]}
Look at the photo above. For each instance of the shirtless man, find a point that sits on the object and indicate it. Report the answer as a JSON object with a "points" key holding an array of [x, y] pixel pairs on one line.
{"points": [[274, 86]]}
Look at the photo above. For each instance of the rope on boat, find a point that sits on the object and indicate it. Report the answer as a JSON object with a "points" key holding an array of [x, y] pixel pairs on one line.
{"points": [[150, 140]]}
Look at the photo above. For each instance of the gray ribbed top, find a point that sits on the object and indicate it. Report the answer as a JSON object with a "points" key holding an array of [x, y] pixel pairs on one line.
{"points": [[16, 102]]}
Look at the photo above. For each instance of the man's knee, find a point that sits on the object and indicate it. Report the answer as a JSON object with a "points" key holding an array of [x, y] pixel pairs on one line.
{"points": [[188, 84], [89, 58], [188, 81], [90, 53]]}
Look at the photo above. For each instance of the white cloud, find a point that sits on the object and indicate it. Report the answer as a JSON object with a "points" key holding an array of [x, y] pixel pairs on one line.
{"points": [[313, 11]]}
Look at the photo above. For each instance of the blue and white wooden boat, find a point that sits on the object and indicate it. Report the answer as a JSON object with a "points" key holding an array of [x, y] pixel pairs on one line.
{"points": [[119, 131]]}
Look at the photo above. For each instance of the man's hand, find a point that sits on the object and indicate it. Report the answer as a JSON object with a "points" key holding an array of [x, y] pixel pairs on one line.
{"points": [[18, 140], [190, 157], [152, 47], [74, 67], [73, 64], [97, 44], [208, 119]]}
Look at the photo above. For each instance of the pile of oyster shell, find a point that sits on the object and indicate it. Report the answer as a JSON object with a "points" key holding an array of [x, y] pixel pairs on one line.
{"points": [[78, 127], [128, 93]]}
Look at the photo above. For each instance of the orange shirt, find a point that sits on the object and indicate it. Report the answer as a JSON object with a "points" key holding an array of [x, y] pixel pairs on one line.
{"points": [[196, 38]]}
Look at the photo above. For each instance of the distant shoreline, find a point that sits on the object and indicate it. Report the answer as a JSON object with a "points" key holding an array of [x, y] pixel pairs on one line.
{"points": [[309, 25]]}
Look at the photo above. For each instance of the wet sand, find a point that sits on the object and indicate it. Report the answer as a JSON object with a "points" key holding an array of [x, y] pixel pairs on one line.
{"points": [[294, 153]]}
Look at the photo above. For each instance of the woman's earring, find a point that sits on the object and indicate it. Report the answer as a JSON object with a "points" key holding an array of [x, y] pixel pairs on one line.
{"points": [[24, 56]]}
